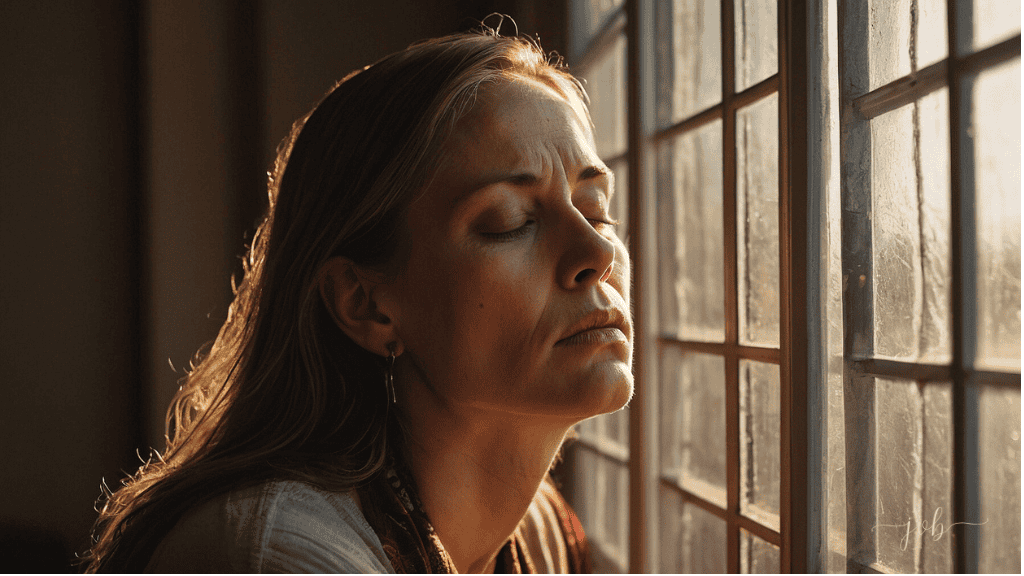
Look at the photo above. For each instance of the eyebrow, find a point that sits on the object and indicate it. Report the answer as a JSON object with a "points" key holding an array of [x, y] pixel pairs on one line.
{"points": [[525, 179]]}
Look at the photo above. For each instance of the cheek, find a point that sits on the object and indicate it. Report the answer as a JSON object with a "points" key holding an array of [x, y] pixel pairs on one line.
{"points": [[475, 309]]}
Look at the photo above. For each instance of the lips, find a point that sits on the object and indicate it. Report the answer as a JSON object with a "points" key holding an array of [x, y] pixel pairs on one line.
{"points": [[598, 326]]}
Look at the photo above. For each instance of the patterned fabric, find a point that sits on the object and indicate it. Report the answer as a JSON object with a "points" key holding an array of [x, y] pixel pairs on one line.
{"points": [[550, 538]]}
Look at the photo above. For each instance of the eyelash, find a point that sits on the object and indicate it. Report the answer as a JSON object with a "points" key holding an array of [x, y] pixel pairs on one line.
{"points": [[511, 234], [525, 228]]}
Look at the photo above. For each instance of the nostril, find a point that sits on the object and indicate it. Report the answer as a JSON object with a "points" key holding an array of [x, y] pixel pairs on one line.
{"points": [[583, 275]]}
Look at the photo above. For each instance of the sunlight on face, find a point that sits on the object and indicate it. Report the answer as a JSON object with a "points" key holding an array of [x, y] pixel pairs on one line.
{"points": [[515, 293]]}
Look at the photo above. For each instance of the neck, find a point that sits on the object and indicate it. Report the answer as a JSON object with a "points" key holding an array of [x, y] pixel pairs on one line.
{"points": [[477, 474]]}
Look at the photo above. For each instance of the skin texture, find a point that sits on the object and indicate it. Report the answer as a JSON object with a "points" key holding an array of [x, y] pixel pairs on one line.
{"points": [[509, 252]]}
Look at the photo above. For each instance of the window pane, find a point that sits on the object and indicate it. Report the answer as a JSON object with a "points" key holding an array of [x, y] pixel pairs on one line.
{"points": [[757, 41], [601, 499], [995, 124], [692, 540], [617, 428], [901, 40], [995, 20], [931, 45], [688, 58], [605, 81], [757, 204], [911, 231], [889, 41], [760, 441], [692, 422], [999, 446], [757, 556], [586, 18], [615, 499], [690, 242], [900, 477]]}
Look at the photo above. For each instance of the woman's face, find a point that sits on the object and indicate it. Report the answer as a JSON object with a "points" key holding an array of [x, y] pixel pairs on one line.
{"points": [[515, 293]]}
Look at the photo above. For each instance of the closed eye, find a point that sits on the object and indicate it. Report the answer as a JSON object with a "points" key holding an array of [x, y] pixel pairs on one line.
{"points": [[510, 234]]}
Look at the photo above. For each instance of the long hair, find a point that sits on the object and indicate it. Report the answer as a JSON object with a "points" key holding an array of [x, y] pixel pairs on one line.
{"points": [[283, 393]]}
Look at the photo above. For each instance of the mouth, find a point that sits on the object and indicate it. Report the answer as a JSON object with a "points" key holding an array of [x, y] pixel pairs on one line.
{"points": [[601, 326]]}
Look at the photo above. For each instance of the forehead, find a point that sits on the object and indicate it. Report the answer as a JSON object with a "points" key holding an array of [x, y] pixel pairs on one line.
{"points": [[523, 124]]}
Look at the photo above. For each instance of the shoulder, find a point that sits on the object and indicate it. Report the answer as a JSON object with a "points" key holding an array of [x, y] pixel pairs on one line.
{"points": [[279, 526]]}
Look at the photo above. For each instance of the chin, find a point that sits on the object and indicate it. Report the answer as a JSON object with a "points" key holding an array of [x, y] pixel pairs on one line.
{"points": [[603, 391]]}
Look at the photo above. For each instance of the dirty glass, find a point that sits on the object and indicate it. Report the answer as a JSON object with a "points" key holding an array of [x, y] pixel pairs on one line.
{"points": [[757, 556], [690, 235], [601, 500], [993, 21], [688, 61], [692, 422], [757, 227], [586, 18], [760, 440], [995, 125], [910, 217], [900, 474], [692, 541], [903, 36], [757, 41], [605, 82], [999, 486]]}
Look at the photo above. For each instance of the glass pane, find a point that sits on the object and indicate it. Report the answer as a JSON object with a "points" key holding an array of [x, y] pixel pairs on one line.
{"points": [[995, 20], [617, 428], [692, 540], [889, 41], [757, 41], [757, 205], [995, 124], [615, 500], [931, 43], [757, 556], [605, 81], [692, 422], [760, 442], [905, 35], [688, 58], [690, 241], [910, 231], [586, 17], [584, 496], [937, 513], [999, 456], [900, 480]]}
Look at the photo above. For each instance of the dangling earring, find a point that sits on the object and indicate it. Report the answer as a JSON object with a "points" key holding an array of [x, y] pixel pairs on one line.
{"points": [[389, 373]]}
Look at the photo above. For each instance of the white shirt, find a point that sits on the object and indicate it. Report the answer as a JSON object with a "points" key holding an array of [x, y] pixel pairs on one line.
{"points": [[278, 526]]}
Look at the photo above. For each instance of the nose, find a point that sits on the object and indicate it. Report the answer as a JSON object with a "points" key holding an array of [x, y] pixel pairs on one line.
{"points": [[589, 257]]}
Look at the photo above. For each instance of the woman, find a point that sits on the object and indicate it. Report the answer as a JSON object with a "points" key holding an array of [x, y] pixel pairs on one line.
{"points": [[434, 299]]}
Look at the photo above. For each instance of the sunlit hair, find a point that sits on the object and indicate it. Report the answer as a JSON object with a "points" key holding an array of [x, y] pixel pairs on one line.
{"points": [[283, 393]]}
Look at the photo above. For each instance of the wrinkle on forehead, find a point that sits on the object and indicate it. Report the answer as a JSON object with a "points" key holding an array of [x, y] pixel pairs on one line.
{"points": [[524, 124]]}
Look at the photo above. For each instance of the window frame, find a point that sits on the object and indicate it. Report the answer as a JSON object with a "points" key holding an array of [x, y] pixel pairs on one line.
{"points": [[802, 84], [642, 135]]}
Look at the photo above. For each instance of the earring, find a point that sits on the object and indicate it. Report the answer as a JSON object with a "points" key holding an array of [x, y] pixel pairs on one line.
{"points": [[389, 373]]}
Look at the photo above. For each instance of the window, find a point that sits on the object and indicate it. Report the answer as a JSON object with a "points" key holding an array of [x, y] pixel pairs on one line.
{"points": [[827, 285]]}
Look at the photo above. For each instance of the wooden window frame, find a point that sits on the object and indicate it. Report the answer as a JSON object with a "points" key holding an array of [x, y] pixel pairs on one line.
{"points": [[953, 72], [801, 355], [645, 479]]}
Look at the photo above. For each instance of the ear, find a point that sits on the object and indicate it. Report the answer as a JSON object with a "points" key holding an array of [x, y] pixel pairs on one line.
{"points": [[347, 291]]}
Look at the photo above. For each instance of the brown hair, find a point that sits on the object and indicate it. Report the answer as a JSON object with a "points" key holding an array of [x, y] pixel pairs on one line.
{"points": [[283, 393]]}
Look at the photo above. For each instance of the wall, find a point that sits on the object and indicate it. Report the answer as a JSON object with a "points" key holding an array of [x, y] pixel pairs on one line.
{"points": [[135, 141]]}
